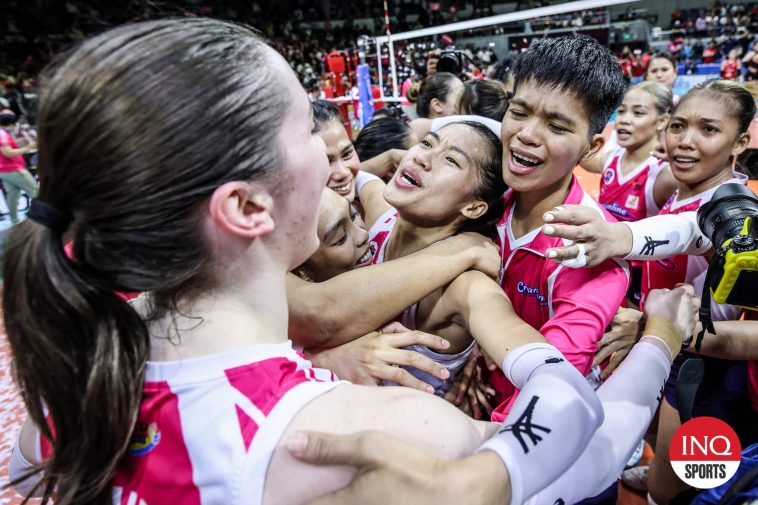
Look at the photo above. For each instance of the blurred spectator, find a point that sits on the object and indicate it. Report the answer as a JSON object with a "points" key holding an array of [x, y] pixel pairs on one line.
{"points": [[710, 53], [730, 67], [751, 63]]}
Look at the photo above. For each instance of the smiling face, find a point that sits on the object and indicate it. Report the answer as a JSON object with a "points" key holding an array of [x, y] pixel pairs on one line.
{"points": [[661, 70], [545, 134], [435, 181], [343, 239], [700, 139], [638, 121], [343, 160]]}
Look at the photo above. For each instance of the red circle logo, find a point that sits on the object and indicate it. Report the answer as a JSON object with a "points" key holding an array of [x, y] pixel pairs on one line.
{"points": [[705, 452]]}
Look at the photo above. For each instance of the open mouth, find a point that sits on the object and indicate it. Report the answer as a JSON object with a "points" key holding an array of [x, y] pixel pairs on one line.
{"points": [[409, 179], [623, 134], [343, 189], [366, 258], [523, 163], [526, 161], [685, 161]]}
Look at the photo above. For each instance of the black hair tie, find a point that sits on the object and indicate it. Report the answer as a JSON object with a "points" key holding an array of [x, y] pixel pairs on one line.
{"points": [[50, 216]]}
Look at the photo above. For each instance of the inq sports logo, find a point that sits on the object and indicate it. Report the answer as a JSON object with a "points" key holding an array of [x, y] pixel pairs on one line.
{"points": [[705, 452]]}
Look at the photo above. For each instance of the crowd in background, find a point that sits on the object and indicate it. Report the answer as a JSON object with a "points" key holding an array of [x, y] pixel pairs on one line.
{"points": [[302, 31]]}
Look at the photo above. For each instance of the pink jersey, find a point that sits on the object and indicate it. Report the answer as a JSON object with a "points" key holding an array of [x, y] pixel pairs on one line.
{"points": [[13, 163], [667, 273], [571, 307], [630, 197], [207, 427]]}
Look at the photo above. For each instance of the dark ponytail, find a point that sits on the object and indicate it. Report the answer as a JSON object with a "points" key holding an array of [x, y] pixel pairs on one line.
{"points": [[137, 128], [82, 349]]}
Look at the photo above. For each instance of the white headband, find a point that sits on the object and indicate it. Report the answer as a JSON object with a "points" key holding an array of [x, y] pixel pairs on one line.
{"points": [[493, 125]]}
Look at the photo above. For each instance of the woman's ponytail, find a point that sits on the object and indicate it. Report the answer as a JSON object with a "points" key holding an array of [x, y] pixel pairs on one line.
{"points": [[80, 351]]}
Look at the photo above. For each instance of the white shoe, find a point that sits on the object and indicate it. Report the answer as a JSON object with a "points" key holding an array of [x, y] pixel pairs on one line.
{"points": [[637, 456], [636, 478]]}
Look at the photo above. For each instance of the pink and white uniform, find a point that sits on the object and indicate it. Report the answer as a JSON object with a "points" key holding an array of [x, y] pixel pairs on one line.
{"points": [[571, 307], [630, 197], [667, 273], [379, 235], [207, 427]]}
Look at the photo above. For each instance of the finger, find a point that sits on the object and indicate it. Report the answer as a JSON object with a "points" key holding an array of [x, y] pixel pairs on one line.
{"points": [[466, 407], [473, 400], [328, 449], [415, 360], [608, 337], [482, 399], [571, 214], [563, 253], [601, 356], [606, 352], [400, 376], [407, 338], [465, 381], [570, 232], [614, 363], [393, 327]]}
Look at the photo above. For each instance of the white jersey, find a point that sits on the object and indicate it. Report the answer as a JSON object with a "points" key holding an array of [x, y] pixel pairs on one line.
{"points": [[207, 427]]}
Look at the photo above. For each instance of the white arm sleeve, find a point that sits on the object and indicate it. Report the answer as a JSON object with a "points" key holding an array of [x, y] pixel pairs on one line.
{"points": [[362, 179], [550, 423], [667, 235], [630, 398], [18, 466]]}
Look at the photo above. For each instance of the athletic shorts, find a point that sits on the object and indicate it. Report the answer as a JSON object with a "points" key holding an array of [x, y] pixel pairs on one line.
{"points": [[723, 392]]}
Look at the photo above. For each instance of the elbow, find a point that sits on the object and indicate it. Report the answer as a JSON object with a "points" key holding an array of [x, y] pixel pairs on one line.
{"points": [[309, 331]]}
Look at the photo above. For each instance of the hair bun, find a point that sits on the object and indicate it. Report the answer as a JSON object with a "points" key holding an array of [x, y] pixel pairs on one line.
{"points": [[413, 91]]}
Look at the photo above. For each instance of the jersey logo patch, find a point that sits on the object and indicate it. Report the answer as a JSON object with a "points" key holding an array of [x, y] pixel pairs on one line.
{"points": [[608, 176], [650, 245], [144, 439], [616, 209], [632, 201], [531, 292], [666, 264], [525, 427]]}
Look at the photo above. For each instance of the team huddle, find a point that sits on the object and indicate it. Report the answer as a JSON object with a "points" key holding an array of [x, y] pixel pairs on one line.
{"points": [[281, 278]]}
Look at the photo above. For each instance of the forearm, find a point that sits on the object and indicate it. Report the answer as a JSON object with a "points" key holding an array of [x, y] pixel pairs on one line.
{"points": [[734, 340], [551, 422], [630, 399], [369, 297], [489, 315], [664, 236], [382, 164], [9, 152]]}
